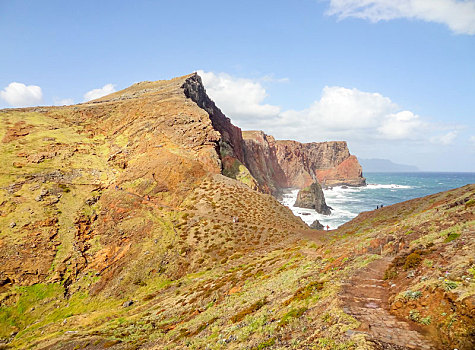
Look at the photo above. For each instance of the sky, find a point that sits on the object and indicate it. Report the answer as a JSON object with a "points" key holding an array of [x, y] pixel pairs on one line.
{"points": [[395, 79]]}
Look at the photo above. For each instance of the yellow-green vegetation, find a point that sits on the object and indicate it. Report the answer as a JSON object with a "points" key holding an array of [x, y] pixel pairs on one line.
{"points": [[117, 230]]}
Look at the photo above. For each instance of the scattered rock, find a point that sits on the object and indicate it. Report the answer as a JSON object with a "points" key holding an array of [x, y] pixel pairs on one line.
{"points": [[128, 303], [12, 224]]}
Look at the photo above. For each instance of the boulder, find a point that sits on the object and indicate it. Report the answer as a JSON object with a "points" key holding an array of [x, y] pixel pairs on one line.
{"points": [[316, 225]]}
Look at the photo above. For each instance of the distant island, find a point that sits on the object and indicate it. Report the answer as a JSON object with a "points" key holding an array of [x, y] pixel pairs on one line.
{"points": [[385, 166]]}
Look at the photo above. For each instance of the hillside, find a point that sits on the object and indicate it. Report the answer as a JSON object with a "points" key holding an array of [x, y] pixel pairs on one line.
{"points": [[119, 229]]}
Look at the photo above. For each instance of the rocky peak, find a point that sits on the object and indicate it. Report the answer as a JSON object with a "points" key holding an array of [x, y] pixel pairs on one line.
{"points": [[231, 142]]}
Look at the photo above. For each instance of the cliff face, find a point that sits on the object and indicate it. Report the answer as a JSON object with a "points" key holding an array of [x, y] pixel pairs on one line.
{"points": [[231, 137], [348, 172], [327, 162], [294, 164], [261, 159]]}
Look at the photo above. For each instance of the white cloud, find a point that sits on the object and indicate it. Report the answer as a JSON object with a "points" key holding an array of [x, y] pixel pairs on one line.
{"points": [[20, 95], [401, 125], [339, 113], [445, 139], [97, 93], [472, 139], [63, 102], [458, 15], [238, 97], [340, 109]]}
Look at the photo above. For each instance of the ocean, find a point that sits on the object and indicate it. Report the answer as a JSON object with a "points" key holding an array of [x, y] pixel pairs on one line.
{"points": [[382, 189]]}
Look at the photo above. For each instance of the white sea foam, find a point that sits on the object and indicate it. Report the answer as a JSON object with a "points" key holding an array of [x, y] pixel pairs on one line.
{"points": [[339, 214], [389, 186], [346, 203]]}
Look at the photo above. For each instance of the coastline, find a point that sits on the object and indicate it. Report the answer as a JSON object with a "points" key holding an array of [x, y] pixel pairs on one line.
{"points": [[383, 188]]}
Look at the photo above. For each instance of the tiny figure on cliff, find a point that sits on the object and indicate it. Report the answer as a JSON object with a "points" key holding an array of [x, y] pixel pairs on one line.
{"points": [[377, 207], [328, 227], [381, 206]]}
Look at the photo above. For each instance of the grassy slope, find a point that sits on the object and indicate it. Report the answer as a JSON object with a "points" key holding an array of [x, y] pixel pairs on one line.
{"points": [[138, 216]]}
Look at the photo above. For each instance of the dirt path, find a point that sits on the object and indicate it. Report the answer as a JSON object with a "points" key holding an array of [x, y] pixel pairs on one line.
{"points": [[364, 297]]}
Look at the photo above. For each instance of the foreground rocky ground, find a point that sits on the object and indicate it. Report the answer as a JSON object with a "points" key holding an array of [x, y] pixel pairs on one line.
{"points": [[118, 230]]}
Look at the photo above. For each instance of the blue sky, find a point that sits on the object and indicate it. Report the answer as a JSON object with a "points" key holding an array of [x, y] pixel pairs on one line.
{"points": [[395, 80]]}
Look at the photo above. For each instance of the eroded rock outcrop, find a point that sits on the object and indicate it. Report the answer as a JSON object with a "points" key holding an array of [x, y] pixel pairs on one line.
{"points": [[303, 163], [261, 159], [312, 197], [348, 172], [278, 164]]}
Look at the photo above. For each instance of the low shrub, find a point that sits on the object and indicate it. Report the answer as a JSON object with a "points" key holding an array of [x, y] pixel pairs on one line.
{"points": [[305, 292], [414, 315], [249, 310], [449, 285], [268, 343], [413, 260], [412, 295], [451, 237]]}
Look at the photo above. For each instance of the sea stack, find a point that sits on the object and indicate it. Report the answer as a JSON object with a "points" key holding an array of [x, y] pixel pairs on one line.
{"points": [[312, 198]]}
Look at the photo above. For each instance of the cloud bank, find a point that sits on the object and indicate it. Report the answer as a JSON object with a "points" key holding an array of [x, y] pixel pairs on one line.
{"points": [[97, 93], [458, 15], [21, 95], [239, 97], [340, 113]]}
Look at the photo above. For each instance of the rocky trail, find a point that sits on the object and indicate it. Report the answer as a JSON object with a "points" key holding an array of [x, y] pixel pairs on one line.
{"points": [[365, 296]]}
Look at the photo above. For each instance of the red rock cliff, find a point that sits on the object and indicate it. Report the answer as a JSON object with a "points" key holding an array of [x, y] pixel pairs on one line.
{"points": [[261, 160], [294, 164]]}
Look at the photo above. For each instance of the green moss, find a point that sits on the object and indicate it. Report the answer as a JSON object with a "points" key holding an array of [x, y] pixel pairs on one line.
{"points": [[451, 237], [239, 172], [266, 344], [293, 313], [470, 203], [27, 309]]}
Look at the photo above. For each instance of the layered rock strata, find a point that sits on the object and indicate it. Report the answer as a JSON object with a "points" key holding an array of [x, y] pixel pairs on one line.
{"points": [[278, 164]]}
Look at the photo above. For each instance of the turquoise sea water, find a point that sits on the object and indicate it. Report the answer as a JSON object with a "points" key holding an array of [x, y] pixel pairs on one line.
{"points": [[382, 188]]}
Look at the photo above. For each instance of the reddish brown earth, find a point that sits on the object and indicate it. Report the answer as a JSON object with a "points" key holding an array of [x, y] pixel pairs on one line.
{"points": [[365, 296]]}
